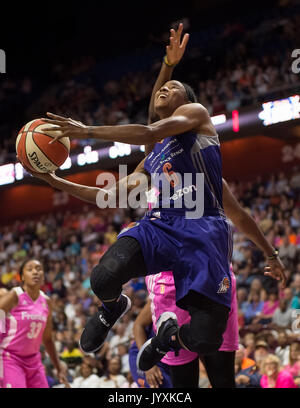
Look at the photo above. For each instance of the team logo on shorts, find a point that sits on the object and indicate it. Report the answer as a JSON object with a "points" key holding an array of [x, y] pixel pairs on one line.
{"points": [[224, 285], [129, 226]]}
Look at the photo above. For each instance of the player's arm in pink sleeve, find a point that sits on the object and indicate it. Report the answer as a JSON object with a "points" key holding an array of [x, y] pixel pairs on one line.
{"points": [[246, 224], [50, 346], [8, 301]]}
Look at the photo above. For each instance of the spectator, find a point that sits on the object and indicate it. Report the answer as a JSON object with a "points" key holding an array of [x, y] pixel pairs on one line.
{"points": [[268, 310], [87, 378], [113, 378], [243, 361], [293, 367], [273, 377], [246, 378], [130, 383], [249, 343], [261, 350], [282, 317], [282, 351], [71, 355], [296, 291], [254, 307], [287, 251], [118, 338]]}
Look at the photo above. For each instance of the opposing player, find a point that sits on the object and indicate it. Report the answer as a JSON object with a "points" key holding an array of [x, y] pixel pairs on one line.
{"points": [[193, 242], [184, 368], [28, 323]]}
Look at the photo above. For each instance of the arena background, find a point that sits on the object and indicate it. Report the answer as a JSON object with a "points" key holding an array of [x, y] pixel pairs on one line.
{"points": [[97, 64]]}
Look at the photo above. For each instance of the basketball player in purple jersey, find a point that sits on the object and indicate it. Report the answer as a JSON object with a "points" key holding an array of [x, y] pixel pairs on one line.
{"points": [[28, 323], [195, 245]]}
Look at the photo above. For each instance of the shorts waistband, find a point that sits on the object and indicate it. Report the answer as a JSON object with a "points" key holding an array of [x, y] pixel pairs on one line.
{"points": [[182, 212]]}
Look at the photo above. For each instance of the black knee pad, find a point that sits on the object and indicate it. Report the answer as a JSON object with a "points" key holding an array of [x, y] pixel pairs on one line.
{"points": [[203, 347], [122, 262], [104, 281]]}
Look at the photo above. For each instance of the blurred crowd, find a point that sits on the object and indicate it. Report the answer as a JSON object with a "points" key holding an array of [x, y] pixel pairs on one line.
{"points": [[229, 66], [70, 244]]}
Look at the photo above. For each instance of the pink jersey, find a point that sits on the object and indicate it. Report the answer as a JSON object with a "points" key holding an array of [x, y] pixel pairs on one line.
{"points": [[24, 325], [162, 293]]}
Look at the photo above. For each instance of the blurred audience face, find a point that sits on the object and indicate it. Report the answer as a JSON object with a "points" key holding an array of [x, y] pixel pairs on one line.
{"points": [[256, 284], [86, 369], [270, 365], [283, 305], [114, 366], [241, 295], [122, 350], [295, 352], [288, 294], [282, 339], [249, 340], [260, 353]]}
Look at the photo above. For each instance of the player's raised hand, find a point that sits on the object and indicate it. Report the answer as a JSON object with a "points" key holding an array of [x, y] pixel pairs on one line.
{"points": [[176, 48], [66, 127], [276, 270]]}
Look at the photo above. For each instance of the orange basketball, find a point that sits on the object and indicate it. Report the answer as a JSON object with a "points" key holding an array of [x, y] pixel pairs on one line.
{"points": [[34, 150]]}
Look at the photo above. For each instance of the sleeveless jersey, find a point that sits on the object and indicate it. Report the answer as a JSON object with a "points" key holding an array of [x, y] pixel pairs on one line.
{"points": [[196, 160], [24, 325]]}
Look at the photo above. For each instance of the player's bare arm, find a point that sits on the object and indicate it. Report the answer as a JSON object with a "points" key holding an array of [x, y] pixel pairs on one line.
{"points": [[174, 54], [50, 346], [144, 319], [191, 116], [245, 223], [89, 193], [8, 301]]}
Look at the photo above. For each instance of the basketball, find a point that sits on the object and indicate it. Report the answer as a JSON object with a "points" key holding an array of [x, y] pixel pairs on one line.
{"points": [[34, 150]]}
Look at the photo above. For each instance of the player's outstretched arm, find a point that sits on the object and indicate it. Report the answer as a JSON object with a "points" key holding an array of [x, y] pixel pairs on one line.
{"points": [[186, 117], [174, 53], [245, 223], [90, 194]]}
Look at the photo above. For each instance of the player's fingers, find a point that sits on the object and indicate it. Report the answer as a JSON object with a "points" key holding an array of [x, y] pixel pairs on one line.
{"points": [[283, 281], [52, 115], [184, 41], [179, 30], [154, 383], [56, 138], [53, 129], [55, 121], [272, 275], [159, 374]]}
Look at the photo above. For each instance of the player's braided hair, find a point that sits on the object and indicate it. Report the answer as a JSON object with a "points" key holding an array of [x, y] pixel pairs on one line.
{"points": [[190, 93]]}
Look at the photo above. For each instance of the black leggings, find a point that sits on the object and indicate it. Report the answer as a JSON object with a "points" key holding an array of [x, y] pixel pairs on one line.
{"points": [[219, 367], [185, 375], [124, 260]]}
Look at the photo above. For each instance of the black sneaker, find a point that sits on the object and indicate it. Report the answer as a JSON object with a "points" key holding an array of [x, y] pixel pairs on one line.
{"points": [[156, 348], [97, 328]]}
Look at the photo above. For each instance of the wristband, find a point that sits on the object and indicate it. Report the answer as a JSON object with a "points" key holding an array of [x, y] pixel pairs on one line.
{"points": [[273, 256], [165, 60]]}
